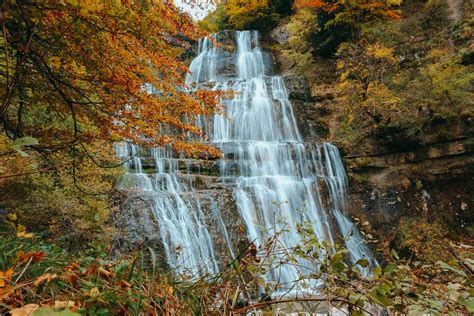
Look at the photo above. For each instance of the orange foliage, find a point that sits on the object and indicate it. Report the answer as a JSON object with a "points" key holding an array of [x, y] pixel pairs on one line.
{"points": [[87, 63], [34, 256]]}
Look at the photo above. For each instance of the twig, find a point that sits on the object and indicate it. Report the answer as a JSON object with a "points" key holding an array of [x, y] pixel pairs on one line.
{"points": [[24, 269]]}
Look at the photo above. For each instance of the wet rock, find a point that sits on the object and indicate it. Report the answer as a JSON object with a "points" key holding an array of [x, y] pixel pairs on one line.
{"points": [[312, 119], [321, 92], [297, 87], [223, 221], [136, 226], [227, 38], [430, 179]]}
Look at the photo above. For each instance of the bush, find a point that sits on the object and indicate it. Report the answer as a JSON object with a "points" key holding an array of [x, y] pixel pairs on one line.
{"points": [[216, 21], [246, 15]]}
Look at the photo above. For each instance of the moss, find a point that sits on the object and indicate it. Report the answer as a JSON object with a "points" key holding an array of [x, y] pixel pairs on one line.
{"points": [[470, 230], [150, 170], [419, 239], [442, 134], [360, 177], [417, 169]]}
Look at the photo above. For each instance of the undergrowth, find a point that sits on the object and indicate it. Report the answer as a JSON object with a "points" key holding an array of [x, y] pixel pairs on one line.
{"points": [[40, 278]]}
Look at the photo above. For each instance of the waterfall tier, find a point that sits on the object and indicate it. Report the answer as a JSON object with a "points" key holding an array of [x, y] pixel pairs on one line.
{"points": [[275, 180]]}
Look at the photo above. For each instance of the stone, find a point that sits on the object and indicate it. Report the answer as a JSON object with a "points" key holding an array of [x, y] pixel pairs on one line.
{"points": [[297, 87]]}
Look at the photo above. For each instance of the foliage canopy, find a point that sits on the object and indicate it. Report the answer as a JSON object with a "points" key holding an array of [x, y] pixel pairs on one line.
{"points": [[98, 70]]}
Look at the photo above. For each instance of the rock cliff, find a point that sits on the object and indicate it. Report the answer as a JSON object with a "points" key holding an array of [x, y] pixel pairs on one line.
{"points": [[392, 175]]}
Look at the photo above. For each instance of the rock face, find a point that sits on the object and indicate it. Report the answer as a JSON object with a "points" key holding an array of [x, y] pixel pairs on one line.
{"points": [[138, 228], [392, 175], [433, 179]]}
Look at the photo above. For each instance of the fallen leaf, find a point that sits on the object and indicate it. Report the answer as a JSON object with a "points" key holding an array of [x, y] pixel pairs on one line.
{"points": [[48, 277], [105, 272], [5, 276], [94, 292], [64, 304], [26, 310]]}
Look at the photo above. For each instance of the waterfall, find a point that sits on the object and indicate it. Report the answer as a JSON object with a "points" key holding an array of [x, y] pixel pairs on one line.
{"points": [[275, 175]]}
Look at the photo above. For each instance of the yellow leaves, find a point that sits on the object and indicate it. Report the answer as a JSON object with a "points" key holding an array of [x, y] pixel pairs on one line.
{"points": [[64, 304], [54, 61], [381, 52], [239, 6], [344, 75], [376, 8], [94, 292], [242, 14], [21, 232], [394, 2], [363, 72], [438, 54], [77, 69], [85, 6], [115, 137], [350, 119], [5, 277], [168, 289], [105, 272]]}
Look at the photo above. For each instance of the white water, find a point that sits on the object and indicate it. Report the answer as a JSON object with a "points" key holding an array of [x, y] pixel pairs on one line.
{"points": [[276, 176]]}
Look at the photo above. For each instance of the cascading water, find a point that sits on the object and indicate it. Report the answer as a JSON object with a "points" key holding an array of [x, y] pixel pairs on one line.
{"points": [[275, 176]]}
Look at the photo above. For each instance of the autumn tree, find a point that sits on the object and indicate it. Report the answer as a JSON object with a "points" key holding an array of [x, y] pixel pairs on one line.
{"points": [[76, 76], [356, 11], [327, 23], [244, 15], [97, 71], [365, 70]]}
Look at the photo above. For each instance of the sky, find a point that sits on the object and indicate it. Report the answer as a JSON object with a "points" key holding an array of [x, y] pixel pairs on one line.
{"points": [[198, 9]]}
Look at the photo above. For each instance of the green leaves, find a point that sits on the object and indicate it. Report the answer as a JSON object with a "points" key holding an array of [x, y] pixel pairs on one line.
{"points": [[379, 297], [468, 303], [20, 143], [447, 267], [45, 311], [391, 267], [380, 293], [376, 272], [364, 263]]}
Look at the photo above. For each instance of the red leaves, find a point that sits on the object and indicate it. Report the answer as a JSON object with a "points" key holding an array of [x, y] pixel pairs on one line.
{"points": [[34, 256]]}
